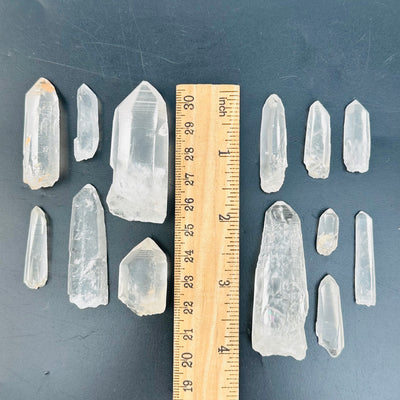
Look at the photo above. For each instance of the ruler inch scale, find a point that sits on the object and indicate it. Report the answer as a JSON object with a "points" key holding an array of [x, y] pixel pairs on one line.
{"points": [[206, 270]]}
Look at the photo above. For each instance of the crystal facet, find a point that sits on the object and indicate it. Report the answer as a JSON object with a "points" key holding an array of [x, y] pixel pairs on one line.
{"points": [[328, 232], [317, 149], [273, 160], [36, 259], [280, 291], [87, 269], [87, 140], [364, 278], [356, 138], [139, 157], [143, 275], [329, 326], [41, 165]]}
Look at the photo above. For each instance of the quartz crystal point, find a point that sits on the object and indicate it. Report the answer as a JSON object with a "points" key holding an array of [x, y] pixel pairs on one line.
{"points": [[41, 164], [87, 140], [139, 157], [143, 279], [36, 259], [317, 149], [364, 279], [273, 160], [87, 269], [329, 326], [328, 232], [280, 293], [356, 138]]}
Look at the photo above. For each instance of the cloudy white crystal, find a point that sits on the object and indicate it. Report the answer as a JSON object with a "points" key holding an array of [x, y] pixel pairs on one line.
{"points": [[280, 292], [328, 232], [41, 149]]}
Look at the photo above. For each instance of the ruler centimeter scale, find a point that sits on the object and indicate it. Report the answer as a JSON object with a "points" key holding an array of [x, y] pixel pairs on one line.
{"points": [[206, 289]]}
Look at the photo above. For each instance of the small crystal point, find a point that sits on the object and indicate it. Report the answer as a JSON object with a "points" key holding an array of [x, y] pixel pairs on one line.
{"points": [[317, 149], [87, 269], [364, 273], [41, 164], [139, 157], [143, 279], [273, 160], [36, 259], [356, 138], [87, 140], [329, 326], [280, 292], [328, 232]]}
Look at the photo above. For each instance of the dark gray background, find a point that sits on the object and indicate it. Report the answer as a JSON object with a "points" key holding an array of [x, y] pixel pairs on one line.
{"points": [[333, 51]]}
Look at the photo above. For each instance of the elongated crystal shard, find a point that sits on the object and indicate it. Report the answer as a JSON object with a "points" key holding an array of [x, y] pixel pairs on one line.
{"points": [[317, 149], [143, 275], [356, 138], [41, 164], [36, 259], [139, 157], [329, 326], [364, 273], [87, 269], [273, 159], [280, 291], [87, 140], [328, 232]]}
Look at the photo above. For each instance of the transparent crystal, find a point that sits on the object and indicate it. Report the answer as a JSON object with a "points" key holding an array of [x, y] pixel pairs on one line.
{"points": [[328, 232], [143, 277], [41, 164], [356, 138], [329, 326], [364, 277], [36, 259], [87, 269], [273, 160], [317, 149], [87, 140], [139, 157], [280, 291]]}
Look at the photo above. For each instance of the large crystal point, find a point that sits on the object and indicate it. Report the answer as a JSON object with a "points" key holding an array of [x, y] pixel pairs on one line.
{"points": [[364, 278], [280, 291], [143, 275], [87, 140], [317, 149], [329, 326], [87, 269], [41, 164], [356, 138], [36, 259], [273, 160], [139, 157], [328, 232]]}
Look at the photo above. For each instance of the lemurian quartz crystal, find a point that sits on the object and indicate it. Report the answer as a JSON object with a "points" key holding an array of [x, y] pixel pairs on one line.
{"points": [[280, 291], [139, 157], [328, 232]]}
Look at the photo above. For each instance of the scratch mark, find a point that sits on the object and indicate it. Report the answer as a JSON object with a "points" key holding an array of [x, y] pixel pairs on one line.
{"points": [[288, 77], [369, 48], [126, 53], [390, 59], [139, 44]]}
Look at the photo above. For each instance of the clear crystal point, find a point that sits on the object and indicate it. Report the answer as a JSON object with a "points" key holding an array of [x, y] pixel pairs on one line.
{"points": [[317, 149], [329, 326], [273, 159], [356, 138], [280, 291], [364, 273], [328, 232], [143, 277], [41, 149], [139, 157], [36, 259], [87, 140], [87, 269]]}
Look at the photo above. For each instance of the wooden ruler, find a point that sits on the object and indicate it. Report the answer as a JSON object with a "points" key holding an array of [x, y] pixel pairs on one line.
{"points": [[206, 295]]}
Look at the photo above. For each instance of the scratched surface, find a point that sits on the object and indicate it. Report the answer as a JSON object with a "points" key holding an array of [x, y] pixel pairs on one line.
{"points": [[302, 50]]}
